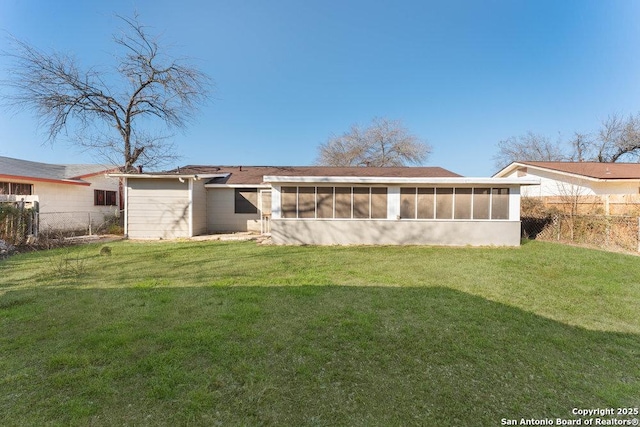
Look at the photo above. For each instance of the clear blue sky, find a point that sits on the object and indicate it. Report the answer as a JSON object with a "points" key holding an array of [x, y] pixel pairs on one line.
{"points": [[463, 75]]}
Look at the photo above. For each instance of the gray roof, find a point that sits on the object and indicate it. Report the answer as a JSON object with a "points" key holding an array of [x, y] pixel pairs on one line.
{"points": [[253, 175], [26, 169]]}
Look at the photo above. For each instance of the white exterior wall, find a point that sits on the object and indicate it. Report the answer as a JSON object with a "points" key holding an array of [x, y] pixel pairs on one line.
{"points": [[71, 206], [221, 216], [157, 208], [556, 184], [199, 197], [398, 232]]}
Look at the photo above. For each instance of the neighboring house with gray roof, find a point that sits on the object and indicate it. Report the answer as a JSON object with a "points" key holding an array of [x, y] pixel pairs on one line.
{"points": [[67, 195], [325, 205], [583, 187]]}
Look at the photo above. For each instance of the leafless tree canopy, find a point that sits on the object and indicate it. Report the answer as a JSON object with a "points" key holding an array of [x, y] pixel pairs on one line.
{"points": [[531, 147], [110, 112], [618, 139], [383, 143]]}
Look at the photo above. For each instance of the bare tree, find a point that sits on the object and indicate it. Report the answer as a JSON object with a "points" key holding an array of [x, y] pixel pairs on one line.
{"points": [[617, 139], [383, 143], [110, 112], [531, 147]]}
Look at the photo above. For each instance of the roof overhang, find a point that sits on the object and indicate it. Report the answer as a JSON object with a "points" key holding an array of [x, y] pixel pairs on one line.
{"points": [[50, 180], [181, 176], [237, 186], [516, 165], [400, 181]]}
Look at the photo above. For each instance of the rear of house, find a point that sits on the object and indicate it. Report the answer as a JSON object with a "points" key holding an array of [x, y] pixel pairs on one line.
{"points": [[320, 205]]}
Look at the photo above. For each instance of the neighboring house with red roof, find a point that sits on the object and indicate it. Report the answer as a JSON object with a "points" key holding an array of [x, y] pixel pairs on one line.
{"points": [[66, 194], [592, 187], [325, 205]]}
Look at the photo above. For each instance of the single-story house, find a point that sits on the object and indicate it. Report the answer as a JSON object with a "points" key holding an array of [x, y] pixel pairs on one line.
{"points": [[68, 196], [325, 205], [583, 187]]}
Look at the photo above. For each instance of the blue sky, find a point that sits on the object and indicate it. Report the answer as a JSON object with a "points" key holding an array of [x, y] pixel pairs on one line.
{"points": [[463, 75]]}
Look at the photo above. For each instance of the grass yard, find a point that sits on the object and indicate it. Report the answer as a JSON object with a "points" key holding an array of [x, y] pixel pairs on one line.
{"points": [[210, 333]]}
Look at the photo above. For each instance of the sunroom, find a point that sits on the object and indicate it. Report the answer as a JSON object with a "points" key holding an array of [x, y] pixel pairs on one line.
{"points": [[395, 211]]}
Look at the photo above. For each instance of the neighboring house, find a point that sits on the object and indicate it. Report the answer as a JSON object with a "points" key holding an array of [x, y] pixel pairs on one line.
{"points": [[325, 205], [67, 196], [581, 187]]}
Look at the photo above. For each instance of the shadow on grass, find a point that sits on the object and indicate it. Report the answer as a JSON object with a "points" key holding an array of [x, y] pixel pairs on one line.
{"points": [[310, 355]]}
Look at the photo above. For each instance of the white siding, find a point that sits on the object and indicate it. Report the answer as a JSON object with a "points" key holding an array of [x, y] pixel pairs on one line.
{"points": [[199, 208], [556, 184], [157, 208], [221, 216], [70, 206]]}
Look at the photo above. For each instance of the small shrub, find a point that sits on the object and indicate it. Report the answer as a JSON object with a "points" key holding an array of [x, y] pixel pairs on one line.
{"points": [[68, 263]]}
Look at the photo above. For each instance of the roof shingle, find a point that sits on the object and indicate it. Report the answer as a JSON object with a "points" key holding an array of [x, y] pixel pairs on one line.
{"points": [[593, 169], [247, 175]]}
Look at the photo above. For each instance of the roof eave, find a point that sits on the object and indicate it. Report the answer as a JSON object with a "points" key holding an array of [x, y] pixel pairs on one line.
{"points": [[167, 176], [400, 180], [49, 180]]}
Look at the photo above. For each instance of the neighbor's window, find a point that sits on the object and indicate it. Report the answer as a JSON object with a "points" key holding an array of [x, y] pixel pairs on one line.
{"points": [[246, 200], [15, 188], [104, 198]]}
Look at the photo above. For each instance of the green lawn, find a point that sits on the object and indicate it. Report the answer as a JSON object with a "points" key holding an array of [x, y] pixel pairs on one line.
{"points": [[209, 333]]}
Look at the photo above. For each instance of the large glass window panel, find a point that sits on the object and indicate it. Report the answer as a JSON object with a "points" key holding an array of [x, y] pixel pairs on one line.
{"points": [[306, 202], [21, 189], [289, 201], [343, 202], [481, 198], [361, 202], [408, 203], [426, 202], [378, 202], [324, 199], [462, 203], [246, 200], [444, 203], [500, 203]]}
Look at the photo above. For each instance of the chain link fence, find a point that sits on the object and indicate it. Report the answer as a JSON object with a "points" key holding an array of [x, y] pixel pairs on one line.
{"points": [[73, 224], [616, 233]]}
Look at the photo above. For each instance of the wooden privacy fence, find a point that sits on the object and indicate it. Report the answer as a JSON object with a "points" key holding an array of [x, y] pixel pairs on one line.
{"points": [[604, 231], [17, 223]]}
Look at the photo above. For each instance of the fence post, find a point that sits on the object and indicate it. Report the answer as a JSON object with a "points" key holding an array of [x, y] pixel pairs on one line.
{"points": [[638, 234], [89, 223], [36, 218]]}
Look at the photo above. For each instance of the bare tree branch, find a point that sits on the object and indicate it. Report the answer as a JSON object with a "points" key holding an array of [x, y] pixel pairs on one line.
{"points": [[106, 111], [529, 147], [383, 143], [618, 139]]}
